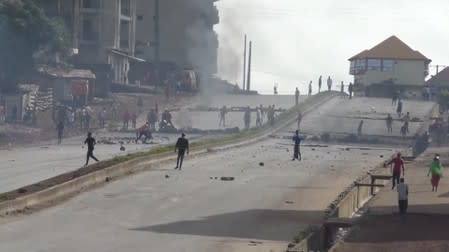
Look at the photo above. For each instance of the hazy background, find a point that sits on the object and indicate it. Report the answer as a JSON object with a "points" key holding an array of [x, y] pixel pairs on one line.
{"points": [[295, 41]]}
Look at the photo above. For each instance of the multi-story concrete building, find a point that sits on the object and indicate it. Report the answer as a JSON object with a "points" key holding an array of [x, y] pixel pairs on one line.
{"points": [[187, 37], [390, 65], [103, 33]]}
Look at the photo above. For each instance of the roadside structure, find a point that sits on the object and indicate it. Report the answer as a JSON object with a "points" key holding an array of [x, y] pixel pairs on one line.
{"points": [[103, 35], [389, 67], [437, 83]]}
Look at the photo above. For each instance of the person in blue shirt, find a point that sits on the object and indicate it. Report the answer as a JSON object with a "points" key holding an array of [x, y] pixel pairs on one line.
{"points": [[297, 139]]}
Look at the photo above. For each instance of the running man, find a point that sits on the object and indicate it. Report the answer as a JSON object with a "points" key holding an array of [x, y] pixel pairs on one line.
{"points": [[398, 164], [182, 145], [91, 142], [296, 152]]}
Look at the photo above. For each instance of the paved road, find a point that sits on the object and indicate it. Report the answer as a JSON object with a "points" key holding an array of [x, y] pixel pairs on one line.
{"points": [[344, 116], [21, 166], [26, 165], [261, 210]]}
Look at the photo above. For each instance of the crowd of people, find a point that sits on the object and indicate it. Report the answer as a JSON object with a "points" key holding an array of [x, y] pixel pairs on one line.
{"points": [[435, 172], [263, 115]]}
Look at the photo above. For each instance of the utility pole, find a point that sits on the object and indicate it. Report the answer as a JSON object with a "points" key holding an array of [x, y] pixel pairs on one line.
{"points": [[157, 60], [244, 65], [248, 85]]}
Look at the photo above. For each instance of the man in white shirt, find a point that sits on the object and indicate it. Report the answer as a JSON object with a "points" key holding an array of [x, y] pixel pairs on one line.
{"points": [[402, 196]]}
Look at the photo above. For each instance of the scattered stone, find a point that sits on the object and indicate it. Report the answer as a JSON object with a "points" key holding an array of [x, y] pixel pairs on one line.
{"points": [[261, 164], [122, 148], [167, 176], [107, 179], [289, 202], [227, 178], [381, 156], [313, 149]]}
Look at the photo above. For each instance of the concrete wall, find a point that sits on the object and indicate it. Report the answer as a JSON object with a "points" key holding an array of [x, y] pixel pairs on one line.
{"points": [[405, 72]]}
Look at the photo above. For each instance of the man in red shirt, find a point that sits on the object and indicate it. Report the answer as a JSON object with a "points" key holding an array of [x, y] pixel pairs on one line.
{"points": [[144, 131], [398, 163]]}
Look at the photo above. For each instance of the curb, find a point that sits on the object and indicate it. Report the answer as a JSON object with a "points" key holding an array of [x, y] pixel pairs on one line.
{"points": [[64, 191]]}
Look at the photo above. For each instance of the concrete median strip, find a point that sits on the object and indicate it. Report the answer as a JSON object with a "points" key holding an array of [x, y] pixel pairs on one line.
{"points": [[65, 186]]}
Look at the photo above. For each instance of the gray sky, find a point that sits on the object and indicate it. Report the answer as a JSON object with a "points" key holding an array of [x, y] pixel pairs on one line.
{"points": [[295, 41]]}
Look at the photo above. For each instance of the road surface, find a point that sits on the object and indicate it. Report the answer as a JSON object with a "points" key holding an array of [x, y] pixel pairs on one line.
{"points": [[22, 166], [271, 199], [342, 116]]}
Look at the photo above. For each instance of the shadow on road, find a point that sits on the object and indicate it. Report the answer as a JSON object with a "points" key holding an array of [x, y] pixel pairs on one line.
{"points": [[260, 224]]}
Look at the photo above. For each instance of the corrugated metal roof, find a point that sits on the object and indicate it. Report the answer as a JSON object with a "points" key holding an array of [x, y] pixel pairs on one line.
{"points": [[69, 74]]}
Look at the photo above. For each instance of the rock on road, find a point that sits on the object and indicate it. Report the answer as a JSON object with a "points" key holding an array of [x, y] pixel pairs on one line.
{"points": [[189, 210]]}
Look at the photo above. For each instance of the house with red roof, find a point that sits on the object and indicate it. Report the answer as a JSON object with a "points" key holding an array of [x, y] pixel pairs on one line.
{"points": [[389, 67]]}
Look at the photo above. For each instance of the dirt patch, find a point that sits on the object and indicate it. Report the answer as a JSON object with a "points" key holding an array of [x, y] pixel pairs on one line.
{"points": [[413, 232]]}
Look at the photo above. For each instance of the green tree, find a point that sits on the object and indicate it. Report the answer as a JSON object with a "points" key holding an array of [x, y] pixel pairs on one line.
{"points": [[25, 30]]}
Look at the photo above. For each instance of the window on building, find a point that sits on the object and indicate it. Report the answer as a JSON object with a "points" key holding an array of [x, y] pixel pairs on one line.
{"points": [[358, 66], [90, 29], [91, 4], [374, 65], [126, 7], [387, 65], [124, 34]]}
